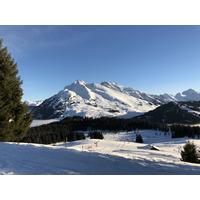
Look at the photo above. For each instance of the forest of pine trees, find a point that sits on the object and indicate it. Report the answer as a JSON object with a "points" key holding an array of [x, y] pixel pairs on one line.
{"points": [[52, 133], [72, 127], [182, 131]]}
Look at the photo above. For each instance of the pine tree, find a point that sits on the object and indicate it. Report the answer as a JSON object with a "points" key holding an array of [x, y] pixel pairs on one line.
{"points": [[14, 117], [139, 138], [189, 153], [95, 135]]}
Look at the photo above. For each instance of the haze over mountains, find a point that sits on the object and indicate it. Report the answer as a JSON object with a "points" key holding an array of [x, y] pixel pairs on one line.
{"points": [[105, 99]]}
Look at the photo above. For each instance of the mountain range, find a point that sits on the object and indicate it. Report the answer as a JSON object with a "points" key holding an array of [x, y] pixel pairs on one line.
{"points": [[105, 99]]}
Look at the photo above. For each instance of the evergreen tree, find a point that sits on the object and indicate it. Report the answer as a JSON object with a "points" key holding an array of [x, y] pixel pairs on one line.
{"points": [[14, 117], [189, 153], [139, 138], [95, 135]]}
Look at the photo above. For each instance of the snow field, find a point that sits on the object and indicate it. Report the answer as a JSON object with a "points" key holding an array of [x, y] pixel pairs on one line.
{"points": [[123, 144], [38, 122], [117, 154]]}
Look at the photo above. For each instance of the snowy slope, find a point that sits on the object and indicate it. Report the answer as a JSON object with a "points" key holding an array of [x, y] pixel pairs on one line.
{"points": [[93, 100], [116, 154]]}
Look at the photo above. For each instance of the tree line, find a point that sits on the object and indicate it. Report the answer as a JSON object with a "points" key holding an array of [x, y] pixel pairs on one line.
{"points": [[71, 128], [182, 131], [110, 124], [51, 133]]}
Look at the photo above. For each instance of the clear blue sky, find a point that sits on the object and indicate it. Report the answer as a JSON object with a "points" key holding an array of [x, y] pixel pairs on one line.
{"points": [[153, 59]]}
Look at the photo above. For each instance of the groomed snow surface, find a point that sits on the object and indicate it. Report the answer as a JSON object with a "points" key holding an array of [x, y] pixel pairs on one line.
{"points": [[117, 154]]}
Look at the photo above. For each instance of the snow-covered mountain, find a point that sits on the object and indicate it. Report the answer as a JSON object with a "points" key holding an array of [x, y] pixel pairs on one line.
{"points": [[33, 103], [105, 99], [165, 98], [188, 95], [96, 100]]}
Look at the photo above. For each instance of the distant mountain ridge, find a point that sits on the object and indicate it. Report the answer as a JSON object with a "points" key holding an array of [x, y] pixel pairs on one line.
{"points": [[188, 95], [105, 99], [33, 103]]}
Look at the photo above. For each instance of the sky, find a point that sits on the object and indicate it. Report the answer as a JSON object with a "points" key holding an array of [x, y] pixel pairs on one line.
{"points": [[154, 59]]}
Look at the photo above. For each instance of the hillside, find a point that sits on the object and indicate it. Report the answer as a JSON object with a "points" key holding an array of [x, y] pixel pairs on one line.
{"points": [[175, 112]]}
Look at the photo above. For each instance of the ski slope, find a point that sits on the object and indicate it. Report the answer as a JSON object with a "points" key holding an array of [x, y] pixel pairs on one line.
{"points": [[117, 154]]}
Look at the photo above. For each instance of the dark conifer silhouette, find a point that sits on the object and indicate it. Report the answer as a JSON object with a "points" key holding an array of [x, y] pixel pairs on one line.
{"points": [[139, 138], [14, 117], [189, 153]]}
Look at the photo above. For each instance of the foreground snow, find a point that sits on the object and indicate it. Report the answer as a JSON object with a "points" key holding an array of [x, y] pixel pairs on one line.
{"points": [[116, 154]]}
